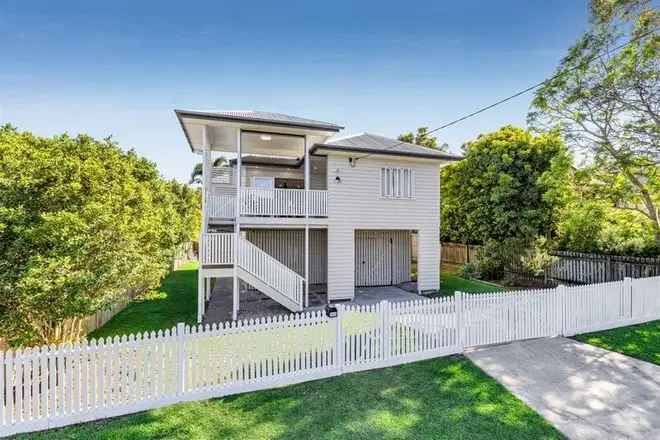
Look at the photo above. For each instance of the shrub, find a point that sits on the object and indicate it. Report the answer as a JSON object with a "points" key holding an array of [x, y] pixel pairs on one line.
{"points": [[81, 223], [469, 271]]}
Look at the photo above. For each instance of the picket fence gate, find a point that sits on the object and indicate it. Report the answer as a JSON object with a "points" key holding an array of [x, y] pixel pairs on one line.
{"points": [[54, 386]]}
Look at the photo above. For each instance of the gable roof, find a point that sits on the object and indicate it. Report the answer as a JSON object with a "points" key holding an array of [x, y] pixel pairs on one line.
{"points": [[375, 144], [260, 117]]}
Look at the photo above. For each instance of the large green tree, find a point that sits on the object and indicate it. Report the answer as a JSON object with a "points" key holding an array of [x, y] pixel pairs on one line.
{"points": [[81, 223], [509, 185], [606, 103]]}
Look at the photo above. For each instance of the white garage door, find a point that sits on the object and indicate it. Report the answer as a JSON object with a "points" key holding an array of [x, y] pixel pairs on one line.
{"points": [[382, 258]]}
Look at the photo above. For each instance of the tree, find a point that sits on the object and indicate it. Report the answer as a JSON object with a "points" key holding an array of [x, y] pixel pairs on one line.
{"points": [[81, 223], [198, 169], [423, 138], [509, 186], [608, 106], [592, 222]]}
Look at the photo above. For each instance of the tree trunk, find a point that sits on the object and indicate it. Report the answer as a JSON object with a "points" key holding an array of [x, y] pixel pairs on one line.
{"points": [[651, 209]]}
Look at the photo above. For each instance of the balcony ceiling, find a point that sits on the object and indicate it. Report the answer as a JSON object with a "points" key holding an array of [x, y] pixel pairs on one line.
{"points": [[222, 128]]}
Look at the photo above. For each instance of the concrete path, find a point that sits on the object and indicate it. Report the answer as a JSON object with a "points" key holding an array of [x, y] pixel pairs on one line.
{"points": [[585, 391]]}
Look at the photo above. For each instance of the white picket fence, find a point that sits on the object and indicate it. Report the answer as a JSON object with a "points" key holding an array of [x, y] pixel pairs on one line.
{"points": [[54, 386]]}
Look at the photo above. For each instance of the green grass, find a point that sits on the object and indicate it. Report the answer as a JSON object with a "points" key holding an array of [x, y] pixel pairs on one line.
{"points": [[446, 398], [450, 283], [639, 341], [175, 301]]}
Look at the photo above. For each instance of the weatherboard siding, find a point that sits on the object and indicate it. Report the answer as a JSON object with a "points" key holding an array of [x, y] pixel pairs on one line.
{"points": [[288, 247], [355, 203]]}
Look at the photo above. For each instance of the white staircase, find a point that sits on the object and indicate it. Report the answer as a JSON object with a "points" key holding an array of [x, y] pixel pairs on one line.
{"points": [[255, 267], [269, 276]]}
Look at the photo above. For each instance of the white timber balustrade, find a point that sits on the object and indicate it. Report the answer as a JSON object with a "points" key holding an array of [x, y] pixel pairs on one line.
{"points": [[271, 272], [282, 202], [221, 207], [57, 385], [318, 203], [217, 248]]}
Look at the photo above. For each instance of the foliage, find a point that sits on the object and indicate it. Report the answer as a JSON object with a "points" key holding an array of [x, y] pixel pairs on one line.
{"points": [[423, 138], [81, 223], [445, 398], [494, 257], [198, 170], [536, 259], [607, 104], [469, 271], [596, 227], [510, 185]]}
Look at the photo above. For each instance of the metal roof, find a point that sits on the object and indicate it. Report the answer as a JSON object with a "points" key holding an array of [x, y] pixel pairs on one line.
{"points": [[375, 144], [260, 117]]}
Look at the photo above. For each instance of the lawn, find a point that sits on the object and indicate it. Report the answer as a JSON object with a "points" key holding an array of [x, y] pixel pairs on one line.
{"points": [[450, 283], [175, 301], [639, 341], [445, 398]]}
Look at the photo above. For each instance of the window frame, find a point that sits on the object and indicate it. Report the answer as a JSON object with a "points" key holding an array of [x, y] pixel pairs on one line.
{"points": [[397, 183]]}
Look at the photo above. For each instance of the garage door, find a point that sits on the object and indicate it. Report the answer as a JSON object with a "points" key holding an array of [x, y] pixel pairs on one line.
{"points": [[382, 258]]}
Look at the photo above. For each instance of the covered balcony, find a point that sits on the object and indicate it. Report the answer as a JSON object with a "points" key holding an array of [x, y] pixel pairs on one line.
{"points": [[258, 164], [271, 185]]}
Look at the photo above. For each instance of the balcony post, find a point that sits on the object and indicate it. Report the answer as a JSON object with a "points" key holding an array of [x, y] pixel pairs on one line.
{"points": [[206, 177], [237, 226], [307, 182]]}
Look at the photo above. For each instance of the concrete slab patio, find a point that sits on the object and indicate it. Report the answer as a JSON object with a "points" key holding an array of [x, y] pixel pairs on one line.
{"points": [[585, 391], [256, 305]]}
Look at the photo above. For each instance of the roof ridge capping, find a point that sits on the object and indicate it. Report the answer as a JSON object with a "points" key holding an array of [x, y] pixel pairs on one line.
{"points": [[377, 144], [259, 117]]}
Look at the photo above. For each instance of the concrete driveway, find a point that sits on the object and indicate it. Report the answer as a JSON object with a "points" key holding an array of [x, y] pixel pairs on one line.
{"points": [[585, 391]]}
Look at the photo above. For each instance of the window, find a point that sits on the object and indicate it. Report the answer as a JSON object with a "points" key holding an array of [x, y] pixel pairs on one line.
{"points": [[397, 183]]}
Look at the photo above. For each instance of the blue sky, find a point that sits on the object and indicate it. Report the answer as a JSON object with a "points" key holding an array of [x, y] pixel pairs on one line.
{"points": [[121, 67]]}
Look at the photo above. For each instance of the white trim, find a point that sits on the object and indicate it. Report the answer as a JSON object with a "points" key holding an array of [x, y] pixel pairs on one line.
{"points": [[393, 180]]}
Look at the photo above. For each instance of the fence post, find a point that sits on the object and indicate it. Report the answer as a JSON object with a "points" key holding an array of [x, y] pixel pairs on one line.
{"points": [[563, 309], [180, 358], [628, 291], [460, 330], [339, 343], [385, 323]]}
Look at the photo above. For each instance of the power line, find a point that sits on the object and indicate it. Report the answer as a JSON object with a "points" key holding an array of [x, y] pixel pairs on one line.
{"points": [[528, 89]]}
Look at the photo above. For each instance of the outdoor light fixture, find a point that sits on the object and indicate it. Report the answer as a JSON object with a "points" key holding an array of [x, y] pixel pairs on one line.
{"points": [[265, 137], [338, 179], [331, 311]]}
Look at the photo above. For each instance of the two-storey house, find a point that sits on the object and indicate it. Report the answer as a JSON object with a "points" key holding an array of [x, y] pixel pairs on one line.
{"points": [[296, 206]]}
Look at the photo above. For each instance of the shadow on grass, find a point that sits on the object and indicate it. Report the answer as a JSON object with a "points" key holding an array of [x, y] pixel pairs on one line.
{"points": [[443, 398], [639, 341], [173, 302]]}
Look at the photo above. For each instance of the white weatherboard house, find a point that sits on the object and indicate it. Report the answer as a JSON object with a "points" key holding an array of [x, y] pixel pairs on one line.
{"points": [[297, 206]]}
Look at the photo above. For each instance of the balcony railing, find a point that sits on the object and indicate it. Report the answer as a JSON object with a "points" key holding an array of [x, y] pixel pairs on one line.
{"points": [[217, 248], [271, 202], [221, 207]]}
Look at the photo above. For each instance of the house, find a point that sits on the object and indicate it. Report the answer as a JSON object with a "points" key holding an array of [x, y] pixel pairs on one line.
{"points": [[298, 207]]}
